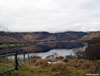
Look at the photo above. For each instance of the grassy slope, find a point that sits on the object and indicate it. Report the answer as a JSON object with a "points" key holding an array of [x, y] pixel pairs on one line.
{"points": [[91, 36], [72, 67]]}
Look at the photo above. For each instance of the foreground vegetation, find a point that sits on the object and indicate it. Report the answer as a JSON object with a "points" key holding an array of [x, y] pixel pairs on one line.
{"points": [[6, 64], [62, 67]]}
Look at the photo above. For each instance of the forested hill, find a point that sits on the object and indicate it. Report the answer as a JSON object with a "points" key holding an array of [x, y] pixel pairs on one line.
{"points": [[39, 36]]}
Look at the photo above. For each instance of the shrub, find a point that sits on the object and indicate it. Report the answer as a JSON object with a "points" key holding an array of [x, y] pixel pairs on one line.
{"points": [[59, 68], [65, 60], [41, 62], [81, 72]]}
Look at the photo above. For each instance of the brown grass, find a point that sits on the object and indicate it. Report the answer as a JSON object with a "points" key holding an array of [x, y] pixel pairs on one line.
{"points": [[73, 67]]}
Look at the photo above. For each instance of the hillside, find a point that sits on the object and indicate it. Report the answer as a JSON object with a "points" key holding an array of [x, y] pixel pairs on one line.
{"points": [[93, 41], [93, 49], [16, 37], [91, 36]]}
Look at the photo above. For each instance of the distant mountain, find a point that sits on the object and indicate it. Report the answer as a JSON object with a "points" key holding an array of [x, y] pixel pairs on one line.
{"points": [[17, 37], [69, 35]]}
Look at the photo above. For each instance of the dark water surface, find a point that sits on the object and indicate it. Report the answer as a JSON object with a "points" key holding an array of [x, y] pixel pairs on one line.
{"points": [[42, 47], [46, 49]]}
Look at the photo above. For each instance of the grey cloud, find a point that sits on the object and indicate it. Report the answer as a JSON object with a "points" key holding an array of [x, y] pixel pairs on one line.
{"points": [[50, 15]]}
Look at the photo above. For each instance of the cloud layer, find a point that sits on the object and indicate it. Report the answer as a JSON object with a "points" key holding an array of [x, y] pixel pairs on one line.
{"points": [[50, 15]]}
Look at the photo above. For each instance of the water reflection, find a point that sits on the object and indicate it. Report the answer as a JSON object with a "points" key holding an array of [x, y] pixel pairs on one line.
{"points": [[45, 47]]}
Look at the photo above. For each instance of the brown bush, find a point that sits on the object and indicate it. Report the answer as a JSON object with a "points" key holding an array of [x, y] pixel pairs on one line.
{"points": [[74, 63], [59, 68], [65, 60], [42, 62]]}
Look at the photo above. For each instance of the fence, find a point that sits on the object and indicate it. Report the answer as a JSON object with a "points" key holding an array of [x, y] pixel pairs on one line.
{"points": [[7, 64]]}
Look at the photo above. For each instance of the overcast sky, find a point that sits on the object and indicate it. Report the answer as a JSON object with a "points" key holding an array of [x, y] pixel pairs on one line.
{"points": [[50, 15]]}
